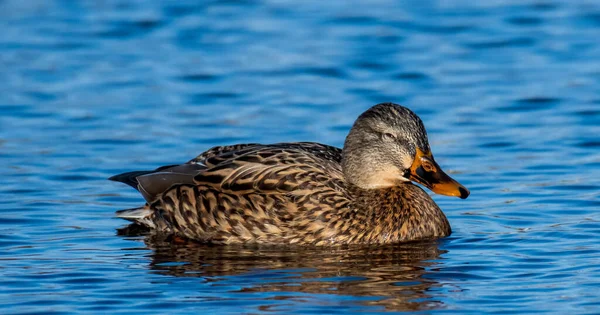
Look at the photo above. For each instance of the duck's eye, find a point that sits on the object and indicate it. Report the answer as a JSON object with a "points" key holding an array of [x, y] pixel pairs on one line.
{"points": [[388, 136], [428, 166]]}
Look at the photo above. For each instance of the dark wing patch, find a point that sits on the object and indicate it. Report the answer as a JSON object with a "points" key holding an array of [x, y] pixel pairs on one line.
{"points": [[152, 183], [129, 178]]}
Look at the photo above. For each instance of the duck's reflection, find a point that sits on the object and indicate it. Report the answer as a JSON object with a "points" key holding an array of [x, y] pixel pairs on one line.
{"points": [[395, 276]]}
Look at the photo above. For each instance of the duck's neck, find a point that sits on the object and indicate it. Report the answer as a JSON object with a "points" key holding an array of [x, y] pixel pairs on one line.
{"points": [[400, 213]]}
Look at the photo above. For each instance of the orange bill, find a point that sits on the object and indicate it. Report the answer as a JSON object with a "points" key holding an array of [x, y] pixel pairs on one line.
{"points": [[427, 172]]}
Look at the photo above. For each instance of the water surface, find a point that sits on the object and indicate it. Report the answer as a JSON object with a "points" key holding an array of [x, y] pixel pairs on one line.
{"points": [[508, 91]]}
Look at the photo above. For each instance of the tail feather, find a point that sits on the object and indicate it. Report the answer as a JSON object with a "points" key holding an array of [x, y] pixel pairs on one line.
{"points": [[153, 183], [142, 215], [129, 178]]}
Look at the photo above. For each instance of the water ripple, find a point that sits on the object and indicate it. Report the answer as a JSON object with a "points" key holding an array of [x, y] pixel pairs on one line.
{"points": [[507, 90]]}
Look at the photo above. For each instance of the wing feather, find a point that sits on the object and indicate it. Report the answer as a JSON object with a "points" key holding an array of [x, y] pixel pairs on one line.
{"points": [[268, 170], [243, 193]]}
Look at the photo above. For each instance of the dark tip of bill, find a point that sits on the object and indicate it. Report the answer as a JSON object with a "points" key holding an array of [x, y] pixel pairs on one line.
{"points": [[464, 193]]}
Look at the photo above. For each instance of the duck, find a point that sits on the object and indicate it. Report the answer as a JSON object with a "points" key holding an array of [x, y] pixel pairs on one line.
{"points": [[304, 193]]}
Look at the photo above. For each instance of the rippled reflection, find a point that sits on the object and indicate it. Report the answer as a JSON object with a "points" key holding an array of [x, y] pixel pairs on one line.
{"points": [[388, 276]]}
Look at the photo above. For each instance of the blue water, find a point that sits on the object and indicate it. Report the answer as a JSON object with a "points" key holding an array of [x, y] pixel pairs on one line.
{"points": [[508, 90]]}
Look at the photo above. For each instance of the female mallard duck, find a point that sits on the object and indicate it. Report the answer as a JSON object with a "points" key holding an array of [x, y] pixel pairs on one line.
{"points": [[304, 192]]}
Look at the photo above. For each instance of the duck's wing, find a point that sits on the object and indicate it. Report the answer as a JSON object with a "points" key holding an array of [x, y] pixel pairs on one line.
{"points": [[268, 193], [276, 168], [152, 183], [226, 151], [234, 165], [258, 152]]}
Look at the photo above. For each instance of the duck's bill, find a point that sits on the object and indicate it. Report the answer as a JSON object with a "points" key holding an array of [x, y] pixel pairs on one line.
{"points": [[427, 172]]}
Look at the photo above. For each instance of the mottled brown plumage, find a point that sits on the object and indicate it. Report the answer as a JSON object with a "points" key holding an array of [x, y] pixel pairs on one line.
{"points": [[304, 193]]}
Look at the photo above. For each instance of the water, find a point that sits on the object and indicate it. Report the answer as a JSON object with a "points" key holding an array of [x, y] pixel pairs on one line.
{"points": [[508, 91]]}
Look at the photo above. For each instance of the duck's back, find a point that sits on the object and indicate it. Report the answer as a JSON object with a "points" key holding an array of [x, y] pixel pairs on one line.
{"points": [[246, 193]]}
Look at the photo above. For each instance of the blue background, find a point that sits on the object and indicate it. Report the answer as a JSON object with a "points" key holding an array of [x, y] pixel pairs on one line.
{"points": [[508, 91]]}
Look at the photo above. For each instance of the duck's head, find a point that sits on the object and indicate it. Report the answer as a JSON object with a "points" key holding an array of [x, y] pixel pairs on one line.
{"points": [[387, 146]]}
